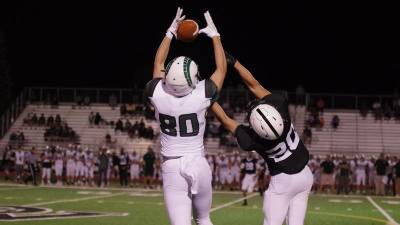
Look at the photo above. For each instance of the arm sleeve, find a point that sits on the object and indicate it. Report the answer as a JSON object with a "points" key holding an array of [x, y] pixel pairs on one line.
{"points": [[149, 89], [244, 138], [211, 90]]}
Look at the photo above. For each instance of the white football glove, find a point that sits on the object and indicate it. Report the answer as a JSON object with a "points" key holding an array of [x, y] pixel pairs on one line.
{"points": [[210, 30], [171, 32]]}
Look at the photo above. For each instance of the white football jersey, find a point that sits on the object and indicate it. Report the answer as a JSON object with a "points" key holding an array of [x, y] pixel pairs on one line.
{"points": [[134, 159], [361, 165], [223, 164], [19, 157], [182, 119]]}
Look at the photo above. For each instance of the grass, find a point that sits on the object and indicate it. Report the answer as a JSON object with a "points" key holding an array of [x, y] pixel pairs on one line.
{"points": [[147, 208]]}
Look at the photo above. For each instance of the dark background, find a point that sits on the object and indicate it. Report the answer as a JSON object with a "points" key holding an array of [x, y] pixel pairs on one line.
{"points": [[327, 46]]}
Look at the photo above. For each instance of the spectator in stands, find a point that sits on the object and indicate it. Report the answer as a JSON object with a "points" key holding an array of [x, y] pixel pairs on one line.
{"points": [[335, 122], [344, 176], [127, 125], [34, 120], [397, 174], [122, 110], [91, 118], [150, 133], [377, 108], [42, 120], [86, 100], [108, 138], [138, 109], [130, 109], [320, 105], [387, 111], [28, 119], [13, 137], [112, 100], [79, 100], [50, 121], [58, 120], [321, 122], [381, 166], [97, 119], [142, 128], [119, 126], [307, 135], [103, 168], [20, 137], [300, 95], [363, 110], [149, 112], [327, 179]]}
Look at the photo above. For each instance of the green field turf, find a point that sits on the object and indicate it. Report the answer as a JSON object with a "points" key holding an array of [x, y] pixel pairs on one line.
{"points": [[141, 207]]}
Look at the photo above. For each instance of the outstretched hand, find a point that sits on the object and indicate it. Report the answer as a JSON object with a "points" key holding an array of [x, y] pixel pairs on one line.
{"points": [[171, 32], [211, 31]]}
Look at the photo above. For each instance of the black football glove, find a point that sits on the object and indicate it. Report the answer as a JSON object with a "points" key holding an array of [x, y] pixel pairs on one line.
{"points": [[230, 60]]}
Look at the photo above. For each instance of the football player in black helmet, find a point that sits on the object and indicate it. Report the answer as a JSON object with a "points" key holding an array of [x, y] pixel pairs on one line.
{"points": [[272, 135]]}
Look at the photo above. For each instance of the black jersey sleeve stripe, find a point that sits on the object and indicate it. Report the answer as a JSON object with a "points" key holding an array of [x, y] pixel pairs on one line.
{"points": [[211, 90], [150, 87], [269, 123]]}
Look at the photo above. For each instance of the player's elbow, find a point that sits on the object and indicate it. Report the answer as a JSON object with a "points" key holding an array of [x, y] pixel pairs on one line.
{"points": [[222, 69]]}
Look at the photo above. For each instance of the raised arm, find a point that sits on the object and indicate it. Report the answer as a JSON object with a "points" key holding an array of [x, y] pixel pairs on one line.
{"points": [[254, 86], [163, 49], [218, 76], [226, 121], [161, 56]]}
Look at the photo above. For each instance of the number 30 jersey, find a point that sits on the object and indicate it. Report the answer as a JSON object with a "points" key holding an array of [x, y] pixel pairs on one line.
{"points": [[287, 154], [182, 119]]}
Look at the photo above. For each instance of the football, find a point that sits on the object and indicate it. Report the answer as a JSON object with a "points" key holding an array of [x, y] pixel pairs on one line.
{"points": [[187, 31]]}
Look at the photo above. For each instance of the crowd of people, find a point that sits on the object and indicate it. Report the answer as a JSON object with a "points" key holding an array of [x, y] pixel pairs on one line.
{"points": [[135, 130], [33, 120], [75, 165], [57, 129], [342, 175], [130, 110], [384, 110], [60, 132], [17, 138]]}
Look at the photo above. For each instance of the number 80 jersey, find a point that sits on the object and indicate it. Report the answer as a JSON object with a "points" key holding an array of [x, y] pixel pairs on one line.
{"points": [[182, 119]]}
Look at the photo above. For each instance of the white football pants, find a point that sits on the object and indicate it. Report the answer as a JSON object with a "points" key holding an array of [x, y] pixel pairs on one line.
{"points": [[187, 185], [287, 197]]}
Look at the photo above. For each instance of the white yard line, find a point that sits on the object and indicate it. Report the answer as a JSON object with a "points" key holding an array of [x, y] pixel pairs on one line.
{"points": [[232, 202], [74, 200], [391, 220]]}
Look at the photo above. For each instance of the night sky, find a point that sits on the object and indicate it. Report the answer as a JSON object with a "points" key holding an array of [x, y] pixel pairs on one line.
{"points": [[328, 46]]}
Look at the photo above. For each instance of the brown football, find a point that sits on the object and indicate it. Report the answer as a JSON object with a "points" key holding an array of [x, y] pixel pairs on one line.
{"points": [[187, 31]]}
